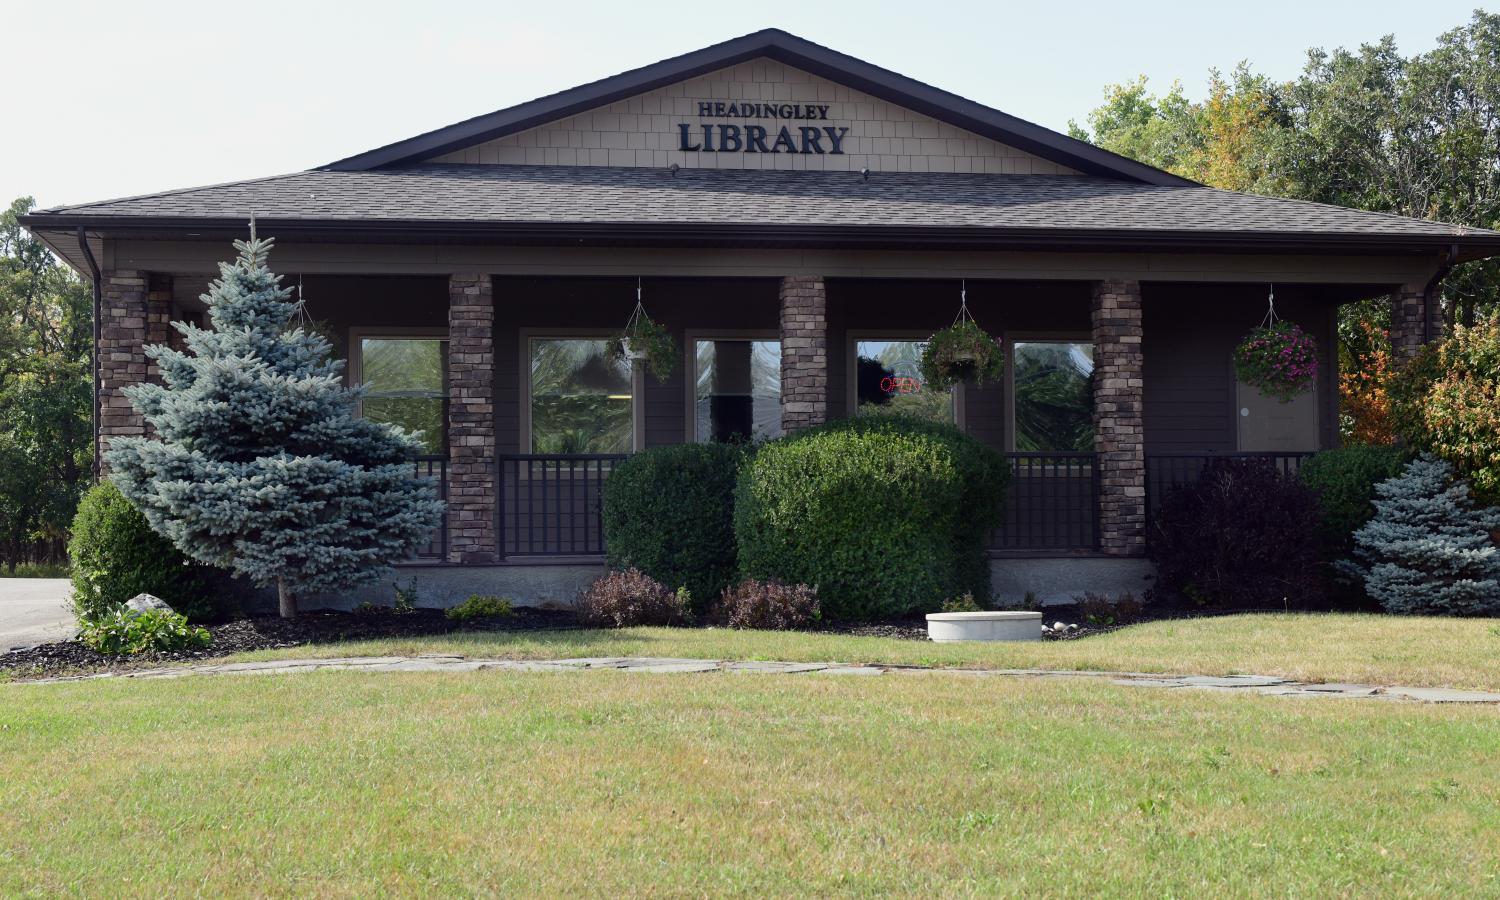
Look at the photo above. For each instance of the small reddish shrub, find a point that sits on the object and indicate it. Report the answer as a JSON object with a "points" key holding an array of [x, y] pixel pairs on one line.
{"points": [[768, 605], [631, 597]]}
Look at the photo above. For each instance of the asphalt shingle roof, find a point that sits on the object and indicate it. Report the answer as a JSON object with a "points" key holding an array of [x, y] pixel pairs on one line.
{"points": [[605, 195]]}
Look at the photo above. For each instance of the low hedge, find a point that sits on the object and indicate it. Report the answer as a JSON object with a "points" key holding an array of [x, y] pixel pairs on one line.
{"points": [[669, 512], [882, 515], [116, 555]]}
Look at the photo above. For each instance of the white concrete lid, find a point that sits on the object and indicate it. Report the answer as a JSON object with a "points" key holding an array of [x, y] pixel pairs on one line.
{"points": [[1000, 616]]}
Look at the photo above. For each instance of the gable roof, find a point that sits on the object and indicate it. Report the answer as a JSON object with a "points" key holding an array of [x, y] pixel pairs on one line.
{"points": [[794, 51]]}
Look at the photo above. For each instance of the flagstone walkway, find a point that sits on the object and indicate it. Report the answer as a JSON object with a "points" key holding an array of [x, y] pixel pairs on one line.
{"points": [[1243, 684]]}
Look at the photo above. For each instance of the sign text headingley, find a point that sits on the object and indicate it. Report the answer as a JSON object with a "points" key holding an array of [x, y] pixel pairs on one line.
{"points": [[726, 137]]}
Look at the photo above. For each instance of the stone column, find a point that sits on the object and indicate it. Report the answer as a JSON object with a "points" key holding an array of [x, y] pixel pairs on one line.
{"points": [[123, 314], [472, 495], [1119, 438], [1408, 315], [804, 352], [159, 328]]}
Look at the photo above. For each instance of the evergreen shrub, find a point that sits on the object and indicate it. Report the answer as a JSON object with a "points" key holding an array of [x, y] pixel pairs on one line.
{"points": [[669, 512], [1243, 536], [1429, 549], [116, 555], [883, 515]]}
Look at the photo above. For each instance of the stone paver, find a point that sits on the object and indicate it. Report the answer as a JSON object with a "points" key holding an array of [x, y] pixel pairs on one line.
{"points": [[1260, 685]]}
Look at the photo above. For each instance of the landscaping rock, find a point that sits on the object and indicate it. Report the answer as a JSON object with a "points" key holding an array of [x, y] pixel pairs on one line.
{"points": [[146, 603]]}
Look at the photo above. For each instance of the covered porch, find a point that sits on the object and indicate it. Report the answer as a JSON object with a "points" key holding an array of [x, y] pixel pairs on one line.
{"points": [[1115, 389]]}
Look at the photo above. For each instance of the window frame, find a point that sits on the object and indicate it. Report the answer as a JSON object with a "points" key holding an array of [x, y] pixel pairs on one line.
{"points": [[637, 383], [690, 339], [356, 335], [851, 368], [1032, 337]]}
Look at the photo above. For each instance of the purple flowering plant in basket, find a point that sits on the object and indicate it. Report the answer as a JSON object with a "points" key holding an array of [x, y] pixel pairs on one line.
{"points": [[1278, 359]]}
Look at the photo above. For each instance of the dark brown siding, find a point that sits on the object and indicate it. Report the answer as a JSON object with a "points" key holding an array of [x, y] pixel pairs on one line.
{"points": [[1190, 334]]}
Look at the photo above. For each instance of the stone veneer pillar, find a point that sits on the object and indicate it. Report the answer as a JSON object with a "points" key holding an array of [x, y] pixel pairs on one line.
{"points": [[1119, 438], [804, 352], [124, 314], [1408, 315], [472, 494], [159, 328]]}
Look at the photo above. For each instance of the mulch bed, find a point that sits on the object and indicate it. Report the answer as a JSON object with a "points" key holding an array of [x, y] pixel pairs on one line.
{"points": [[272, 633]]}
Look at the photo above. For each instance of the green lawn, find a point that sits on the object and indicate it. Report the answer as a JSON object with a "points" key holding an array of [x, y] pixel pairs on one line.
{"points": [[1428, 652], [358, 784]]}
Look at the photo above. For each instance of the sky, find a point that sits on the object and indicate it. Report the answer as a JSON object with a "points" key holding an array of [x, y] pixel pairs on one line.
{"points": [[120, 98]]}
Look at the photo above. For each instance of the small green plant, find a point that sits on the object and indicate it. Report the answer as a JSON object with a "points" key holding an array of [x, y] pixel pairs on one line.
{"points": [[480, 606], [120, 632], [961, 352], [366, 608], [406, 597], [1101, 611], [962, 603]]}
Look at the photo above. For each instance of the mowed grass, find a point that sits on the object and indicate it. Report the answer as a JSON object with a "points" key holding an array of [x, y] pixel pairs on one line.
{"points": [[346, 784], [1426, 652]]}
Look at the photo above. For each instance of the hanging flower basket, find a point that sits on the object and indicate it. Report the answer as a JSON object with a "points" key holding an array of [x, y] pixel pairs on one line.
{"points": [[962, 352], [648, 342], [1278, 359]]}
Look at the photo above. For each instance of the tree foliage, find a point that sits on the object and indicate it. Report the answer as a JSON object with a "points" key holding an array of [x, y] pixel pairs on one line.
{"points": [[1366, 128], [260, 464], [45, 394]]}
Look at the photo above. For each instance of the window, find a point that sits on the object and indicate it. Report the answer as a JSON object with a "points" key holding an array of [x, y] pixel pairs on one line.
{"points": [[888, 379], [580, 398], [736, 390], [1054, 395], [406, 381]]}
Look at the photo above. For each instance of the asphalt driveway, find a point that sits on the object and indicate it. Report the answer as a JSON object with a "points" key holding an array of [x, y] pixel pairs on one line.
{"points": [[34, 611]]}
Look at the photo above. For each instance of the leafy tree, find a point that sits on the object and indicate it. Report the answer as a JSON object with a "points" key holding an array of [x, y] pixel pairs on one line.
{"points": [[1447, 401], [45, 397], [261, 465]]}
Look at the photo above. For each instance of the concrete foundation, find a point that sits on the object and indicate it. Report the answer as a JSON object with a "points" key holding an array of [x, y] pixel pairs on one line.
{"points": [[1058, 580], [447, 585]]}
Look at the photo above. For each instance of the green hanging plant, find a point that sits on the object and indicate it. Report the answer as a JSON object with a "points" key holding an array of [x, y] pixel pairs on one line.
{"points": [[647, 341], [962, 352]]}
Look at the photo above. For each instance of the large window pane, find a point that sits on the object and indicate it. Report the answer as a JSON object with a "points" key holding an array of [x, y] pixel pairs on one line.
{"points": [[580, 398], [1054, 399], [737, 390], [406, 385], [888, 379]]}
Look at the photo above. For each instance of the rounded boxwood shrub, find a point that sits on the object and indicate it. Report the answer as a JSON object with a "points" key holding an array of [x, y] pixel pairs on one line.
{"points": [[1243, 536], [1344, 480], [882, 515], [116, 555], [669, 512]]}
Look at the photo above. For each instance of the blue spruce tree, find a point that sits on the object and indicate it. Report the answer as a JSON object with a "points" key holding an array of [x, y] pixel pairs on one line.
{"points": [[259, 464], [1428, 548]]}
